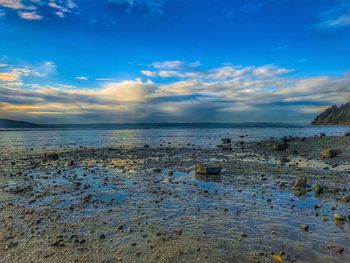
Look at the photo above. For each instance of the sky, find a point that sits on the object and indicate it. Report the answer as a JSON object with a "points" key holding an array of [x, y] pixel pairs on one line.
{"points": [[124, 61]]}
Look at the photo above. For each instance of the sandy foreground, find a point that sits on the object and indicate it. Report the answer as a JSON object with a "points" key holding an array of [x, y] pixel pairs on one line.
{"points": [[148, 205]]}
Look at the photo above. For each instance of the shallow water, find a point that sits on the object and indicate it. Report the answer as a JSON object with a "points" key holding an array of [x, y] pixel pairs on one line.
{"points": [[240, 219], [203, 137]]}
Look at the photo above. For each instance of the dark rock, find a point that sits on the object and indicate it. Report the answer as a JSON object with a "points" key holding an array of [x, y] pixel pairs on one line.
{"points": [[280, 146], [70, 163], [226, 147], [345, 198], [305, 227], [317, 189], [226, 140], [208, 169], [53, 157], [301, 183], [284, 160], [336, 249]]}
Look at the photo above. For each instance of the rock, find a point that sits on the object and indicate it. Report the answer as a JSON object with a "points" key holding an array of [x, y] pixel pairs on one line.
{"points": [[284, 160], [305, 227], [295, 152], [70, 163], [336, 249], [226, 147], [17, 188], [345, 198], [170, 173], [157, 170], [280, 146], [317, 189], [277, 258], [53, 157], [347, 134], [339, 217], [146, 146], [301, 183], [330, 153], [322, 134], [58, 242], [226, 140], [213, 169], [102, 236]]}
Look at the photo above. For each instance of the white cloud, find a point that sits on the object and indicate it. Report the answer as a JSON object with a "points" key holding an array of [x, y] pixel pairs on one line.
{"points": [[82, 77], [62, 8], [13, 4], [170, 74], [335, 18], [174, 64], [148, 73], [14, 73], [30, 15], [30, 10], [223, 92], [271, 70], [178, 69]]}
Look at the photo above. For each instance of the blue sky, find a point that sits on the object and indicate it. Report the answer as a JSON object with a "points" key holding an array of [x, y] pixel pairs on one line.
{"points": [[172, 60]]}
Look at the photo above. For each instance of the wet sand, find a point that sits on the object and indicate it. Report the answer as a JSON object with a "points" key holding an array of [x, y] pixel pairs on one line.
{"points": [[147, 204]]}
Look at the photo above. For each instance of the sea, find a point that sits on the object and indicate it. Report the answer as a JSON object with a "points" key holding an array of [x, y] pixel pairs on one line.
{"points": [[205, 135]]}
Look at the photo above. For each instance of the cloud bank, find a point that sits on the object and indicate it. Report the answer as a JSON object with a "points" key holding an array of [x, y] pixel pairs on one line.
{"points": [[174, 91]]}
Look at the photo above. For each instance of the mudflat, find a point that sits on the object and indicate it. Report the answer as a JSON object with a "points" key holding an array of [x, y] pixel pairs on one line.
{"points": [[271, 202]]}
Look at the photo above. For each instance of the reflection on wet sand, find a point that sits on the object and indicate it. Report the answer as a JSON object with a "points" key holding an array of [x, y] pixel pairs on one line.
{"points": [[150, 205]]}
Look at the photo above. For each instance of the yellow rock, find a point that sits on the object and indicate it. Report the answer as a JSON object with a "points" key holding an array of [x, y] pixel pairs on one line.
{"points": [[330, 153], [277, 258], [339, 217]]}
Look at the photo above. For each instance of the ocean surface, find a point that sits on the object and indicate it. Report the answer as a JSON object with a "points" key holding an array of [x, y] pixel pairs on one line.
{"points": [[174, 135]]}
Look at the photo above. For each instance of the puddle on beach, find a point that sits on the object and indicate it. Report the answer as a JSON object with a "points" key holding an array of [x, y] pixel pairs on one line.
{"points": [[239, 219], [292, 161]]}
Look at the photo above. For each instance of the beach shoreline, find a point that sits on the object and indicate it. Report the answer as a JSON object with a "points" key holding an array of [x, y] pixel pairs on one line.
{"points": [[146, 204]]}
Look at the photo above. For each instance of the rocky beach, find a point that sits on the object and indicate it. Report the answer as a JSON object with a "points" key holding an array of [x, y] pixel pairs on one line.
{"points": [[277, 200]]}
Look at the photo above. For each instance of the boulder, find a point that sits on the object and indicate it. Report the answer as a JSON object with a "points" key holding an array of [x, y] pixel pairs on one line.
{"points": [[280, 146], [301, 183], [330, 153], [208, 169], [53, 156], [226, 140]]}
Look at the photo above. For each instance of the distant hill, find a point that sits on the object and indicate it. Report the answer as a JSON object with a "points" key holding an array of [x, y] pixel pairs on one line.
{"points": [[334, 115], [5, 123]]}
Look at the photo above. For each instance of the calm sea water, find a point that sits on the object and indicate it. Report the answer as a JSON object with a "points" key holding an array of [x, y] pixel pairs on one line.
{"points": [[175, 135]]}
